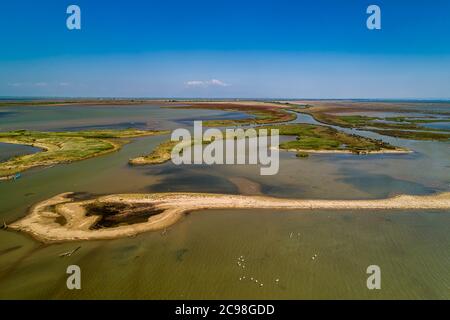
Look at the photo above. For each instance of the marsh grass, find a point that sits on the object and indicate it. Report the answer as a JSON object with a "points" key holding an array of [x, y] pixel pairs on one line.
{"points": [[317, 138], [64, 147], [308, 138], [400, 127]]}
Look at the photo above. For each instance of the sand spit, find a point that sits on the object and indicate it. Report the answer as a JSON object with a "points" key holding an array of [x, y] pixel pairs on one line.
{"points": [[62, 218]]}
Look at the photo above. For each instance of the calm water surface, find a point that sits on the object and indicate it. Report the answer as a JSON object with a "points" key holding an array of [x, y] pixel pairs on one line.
{"points": [[197, 257]]}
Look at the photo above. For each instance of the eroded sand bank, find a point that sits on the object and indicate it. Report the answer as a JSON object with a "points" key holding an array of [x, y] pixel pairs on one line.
{"points": [[62, 218]]}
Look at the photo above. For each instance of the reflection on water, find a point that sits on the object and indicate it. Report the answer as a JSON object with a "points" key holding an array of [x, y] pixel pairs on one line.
{"points": [[53, 117], [196, 258], [112, 126], [371, 183], [7, 114], [228, 116], [8, 150], [437, 125], [176, 179]]}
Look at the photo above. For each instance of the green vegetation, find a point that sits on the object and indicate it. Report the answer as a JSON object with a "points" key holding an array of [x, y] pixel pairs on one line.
{"points": [[64, 147], [161, 154], [401, 127], [94, 134], [262, 114], [319, 138], [415, 120], [356, 120], [302, 154], [309, 138], [415, 135]]}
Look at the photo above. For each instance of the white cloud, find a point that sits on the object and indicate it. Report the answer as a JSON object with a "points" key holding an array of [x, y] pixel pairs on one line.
{"points": [[15, 84], [38, 84], [206, 83], [34, 84], [195, 83]]}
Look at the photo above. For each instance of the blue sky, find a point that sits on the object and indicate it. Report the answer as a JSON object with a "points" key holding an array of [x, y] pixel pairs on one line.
{"points": [[215, 48]]}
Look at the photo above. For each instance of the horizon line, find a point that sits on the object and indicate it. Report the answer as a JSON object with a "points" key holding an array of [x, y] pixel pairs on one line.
{"points": [[218, 98]]}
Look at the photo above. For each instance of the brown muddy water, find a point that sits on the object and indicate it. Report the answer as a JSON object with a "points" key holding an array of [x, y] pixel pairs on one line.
{"points": [[198, 256]]}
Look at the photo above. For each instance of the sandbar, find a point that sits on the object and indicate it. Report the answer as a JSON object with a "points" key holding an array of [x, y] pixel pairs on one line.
{"points": [[63, 218]]}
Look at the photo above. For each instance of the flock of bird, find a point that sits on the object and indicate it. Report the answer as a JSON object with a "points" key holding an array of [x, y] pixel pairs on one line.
{"points": [[241, 264]]}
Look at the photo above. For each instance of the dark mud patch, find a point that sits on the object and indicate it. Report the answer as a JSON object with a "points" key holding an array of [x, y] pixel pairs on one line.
{"points": [[227, 116], [112, 126], [382, 185], [118, 214], [281, 191], [81, 196], [190, 181], [5, 114], [179, 254], [61, 220]]}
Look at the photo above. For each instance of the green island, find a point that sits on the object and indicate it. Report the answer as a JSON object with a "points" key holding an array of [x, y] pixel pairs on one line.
{"points": [[160, 154], [400, 127], [308, 139], [414, 135], [64, 147], [315, 138]]}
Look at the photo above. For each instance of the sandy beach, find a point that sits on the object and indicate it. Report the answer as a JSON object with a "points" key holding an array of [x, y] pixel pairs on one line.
{"points": [[44, 219]]}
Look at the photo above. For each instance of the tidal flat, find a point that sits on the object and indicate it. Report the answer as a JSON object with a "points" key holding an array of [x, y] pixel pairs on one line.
{"points": [[197, 257]]}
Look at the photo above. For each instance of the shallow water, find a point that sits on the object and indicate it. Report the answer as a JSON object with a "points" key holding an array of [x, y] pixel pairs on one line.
{"points": [[197, 258], [8, 150], [437, 125], [54, 118]]}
